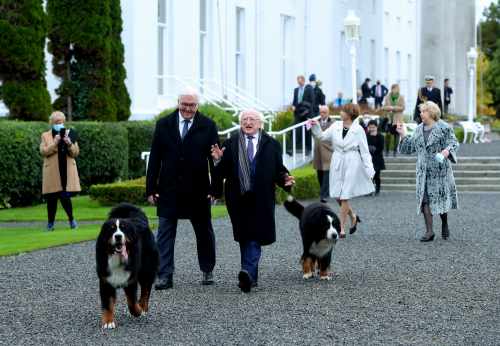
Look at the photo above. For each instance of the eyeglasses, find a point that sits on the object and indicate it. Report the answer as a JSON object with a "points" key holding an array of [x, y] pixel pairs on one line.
{"points": [[189, 105], [249, 120]]}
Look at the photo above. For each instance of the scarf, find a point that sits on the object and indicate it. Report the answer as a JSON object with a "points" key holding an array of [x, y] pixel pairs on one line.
{"points": [[244, 164], [394, 99]]}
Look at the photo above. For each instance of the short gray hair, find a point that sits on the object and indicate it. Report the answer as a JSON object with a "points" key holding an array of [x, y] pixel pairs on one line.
{"points": [[189, 91], [252, 112], [55, 115], [432, 108]]}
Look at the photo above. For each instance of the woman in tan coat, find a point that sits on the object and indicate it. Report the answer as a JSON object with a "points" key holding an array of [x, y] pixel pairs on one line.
{"points": [[323, 155], [394, 106], [60, 176]]}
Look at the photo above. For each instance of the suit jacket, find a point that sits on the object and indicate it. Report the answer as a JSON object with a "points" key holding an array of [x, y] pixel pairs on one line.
{"points": [[374, 90], [365, 91], [257, 221], [319, 99], [425, 95], [447, 95], [308, 100], [179, 170], [394, 113]]}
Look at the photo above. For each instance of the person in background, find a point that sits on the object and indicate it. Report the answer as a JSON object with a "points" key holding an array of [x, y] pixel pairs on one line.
{"points": [[250, 164], [436, 146], [427, 93], [394, 106], [376, 148], [178, 183], [319, 96], [339, 100], [323, 155], [351, 168], [60, 180], [378, 91], [302, 106], [365, 91], [447, 96]]}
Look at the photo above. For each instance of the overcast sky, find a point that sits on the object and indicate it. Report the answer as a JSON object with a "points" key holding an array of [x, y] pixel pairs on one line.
{"points": [[480, 6]]}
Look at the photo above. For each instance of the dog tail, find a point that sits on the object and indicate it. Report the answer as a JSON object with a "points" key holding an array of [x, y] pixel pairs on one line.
{"points": [[127, 211], [293, 206]]}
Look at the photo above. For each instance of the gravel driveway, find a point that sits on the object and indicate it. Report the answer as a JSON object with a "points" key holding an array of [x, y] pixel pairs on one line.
{"points": [[387, 289]]}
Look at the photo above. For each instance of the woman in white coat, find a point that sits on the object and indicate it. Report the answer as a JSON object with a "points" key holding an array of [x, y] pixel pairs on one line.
{"points": [[351, 168]]}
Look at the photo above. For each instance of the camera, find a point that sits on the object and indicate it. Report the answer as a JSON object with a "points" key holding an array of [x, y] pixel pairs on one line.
{"points": [[62, 132]]}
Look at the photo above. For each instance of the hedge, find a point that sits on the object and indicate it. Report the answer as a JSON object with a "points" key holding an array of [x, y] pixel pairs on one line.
{"points": [[134, 191], [140, 135], [224, 120], [103, 158]]}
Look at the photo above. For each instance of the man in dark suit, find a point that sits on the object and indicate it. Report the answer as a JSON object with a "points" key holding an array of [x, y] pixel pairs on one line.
{"points": [[365, 91], [447, 96], [303, 103], [378, 91], [178, 182], [251, 164], [427, 93]]}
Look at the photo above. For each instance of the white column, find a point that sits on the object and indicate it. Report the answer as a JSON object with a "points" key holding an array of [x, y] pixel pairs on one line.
{"points": [[352, 51], [471, 94]]}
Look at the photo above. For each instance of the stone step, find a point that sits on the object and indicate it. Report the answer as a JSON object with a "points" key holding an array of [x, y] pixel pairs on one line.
{"points": [[462, 188], [458, 181], [461, 159], [456, 167], [457, 173]]}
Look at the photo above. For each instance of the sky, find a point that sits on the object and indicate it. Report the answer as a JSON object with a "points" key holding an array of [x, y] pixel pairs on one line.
{"points": [[480, 6]]}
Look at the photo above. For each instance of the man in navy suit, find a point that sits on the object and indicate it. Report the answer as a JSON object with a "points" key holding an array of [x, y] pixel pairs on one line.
{"points": [[379, 91], [427, 93], [303, 103]]}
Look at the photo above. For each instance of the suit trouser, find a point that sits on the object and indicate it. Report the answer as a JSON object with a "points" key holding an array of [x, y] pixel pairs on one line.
{"points": [[250, 257], [378, 102], [324, 184], [205, 243]]}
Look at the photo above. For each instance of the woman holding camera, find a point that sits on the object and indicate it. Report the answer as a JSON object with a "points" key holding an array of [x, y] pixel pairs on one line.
{"points": [[435, 144], [60, 175]]}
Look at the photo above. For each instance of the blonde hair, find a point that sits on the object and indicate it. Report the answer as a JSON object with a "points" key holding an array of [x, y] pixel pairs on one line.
{"points": [[55, 115], [432, 108]]}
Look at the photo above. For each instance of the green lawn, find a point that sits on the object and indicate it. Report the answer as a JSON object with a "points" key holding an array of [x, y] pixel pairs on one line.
{"points": [[15, 240], [84, 208]]}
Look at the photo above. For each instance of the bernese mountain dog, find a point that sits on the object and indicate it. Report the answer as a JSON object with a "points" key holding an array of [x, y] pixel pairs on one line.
{"points": [[127, 257], [319, 228]]}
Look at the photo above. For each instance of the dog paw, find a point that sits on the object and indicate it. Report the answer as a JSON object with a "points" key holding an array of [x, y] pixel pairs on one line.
{"points": [[307, 276], [325, 277], [109, 325]]}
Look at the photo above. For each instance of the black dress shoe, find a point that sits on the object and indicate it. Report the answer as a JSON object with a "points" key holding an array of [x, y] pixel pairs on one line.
{"points": [[164, 283], [208, 278], [245, 281], [353, 228], [426, 238]]}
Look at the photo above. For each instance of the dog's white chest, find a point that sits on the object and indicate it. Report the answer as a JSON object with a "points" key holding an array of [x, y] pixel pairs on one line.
{"points": [[321, 248], [119, 276]]}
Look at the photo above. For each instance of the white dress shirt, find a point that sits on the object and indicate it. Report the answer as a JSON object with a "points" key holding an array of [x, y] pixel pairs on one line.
{"points": [[181, 123]]}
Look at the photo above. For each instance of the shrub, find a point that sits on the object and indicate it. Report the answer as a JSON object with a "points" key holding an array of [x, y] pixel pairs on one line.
{"points": [[131, 191], [140, 135], [222, 119], [282, 120]]}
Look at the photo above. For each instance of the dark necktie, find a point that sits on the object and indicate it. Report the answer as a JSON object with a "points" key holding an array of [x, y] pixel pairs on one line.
{"points": [[250, 148], [185, 128]]}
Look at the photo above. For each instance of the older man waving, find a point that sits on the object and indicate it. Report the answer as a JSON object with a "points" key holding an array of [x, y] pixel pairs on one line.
{"points": [[251, 164]]}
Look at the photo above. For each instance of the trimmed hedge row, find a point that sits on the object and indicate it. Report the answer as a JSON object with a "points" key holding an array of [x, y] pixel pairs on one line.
{"points": [[134, 191], [103, 158]]}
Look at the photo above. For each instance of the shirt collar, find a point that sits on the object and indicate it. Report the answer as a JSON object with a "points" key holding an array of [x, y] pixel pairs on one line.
{"points": [[181, 118]]}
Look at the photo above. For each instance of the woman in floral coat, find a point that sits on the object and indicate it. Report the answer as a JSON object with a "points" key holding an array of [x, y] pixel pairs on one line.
{"points": [[435, 144]]}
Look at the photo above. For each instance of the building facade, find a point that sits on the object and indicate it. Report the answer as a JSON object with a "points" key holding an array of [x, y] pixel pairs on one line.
{"points": [[226, 48]]}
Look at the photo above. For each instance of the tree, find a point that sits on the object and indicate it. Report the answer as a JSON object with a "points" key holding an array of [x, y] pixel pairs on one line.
{"points": [[121, 96], [483, 95], [88, 58], [489, 30], [23, 28]]}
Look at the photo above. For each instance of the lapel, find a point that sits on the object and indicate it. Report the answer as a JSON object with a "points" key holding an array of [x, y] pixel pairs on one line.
{"points": [[194, 126], [173, 127], [264, 138], [235, 147]]}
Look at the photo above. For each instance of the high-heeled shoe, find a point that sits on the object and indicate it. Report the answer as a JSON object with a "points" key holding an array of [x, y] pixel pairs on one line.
{"points": [[354, 228], [427, 238], [445, 232]]}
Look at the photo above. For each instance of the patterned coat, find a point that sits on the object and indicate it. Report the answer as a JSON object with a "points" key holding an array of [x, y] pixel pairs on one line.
{"points": [[438, 177]]}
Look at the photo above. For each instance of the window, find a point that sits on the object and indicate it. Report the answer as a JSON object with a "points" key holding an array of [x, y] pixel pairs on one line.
{"points": [[374, 6], [240, 47], [409, 77], [203, 39], [398, 24], [286, 57], [373, 59], [387, 18], [162, 38], [386, 65], [398, 66]]}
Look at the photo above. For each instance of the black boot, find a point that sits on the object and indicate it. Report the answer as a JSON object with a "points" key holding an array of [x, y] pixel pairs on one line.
{"points": [[445, 231]]}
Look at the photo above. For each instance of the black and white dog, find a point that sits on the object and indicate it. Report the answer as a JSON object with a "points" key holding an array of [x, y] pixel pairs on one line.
{"points": [[319, 228], [126, 256]]}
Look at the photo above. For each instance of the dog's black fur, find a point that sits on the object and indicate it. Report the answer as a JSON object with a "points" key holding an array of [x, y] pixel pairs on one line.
{"points": [[319, 235], [125, 260]]}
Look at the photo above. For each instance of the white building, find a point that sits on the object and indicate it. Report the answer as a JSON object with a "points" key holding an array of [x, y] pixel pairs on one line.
{"points": [[260, 46]]}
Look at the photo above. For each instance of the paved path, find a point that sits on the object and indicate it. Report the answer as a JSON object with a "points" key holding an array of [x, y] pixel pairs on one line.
{"points": [[388, 288]]}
